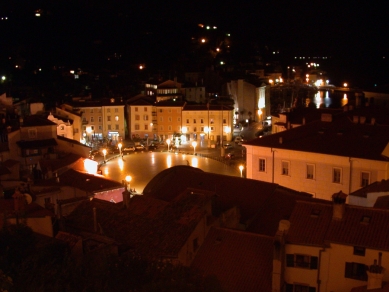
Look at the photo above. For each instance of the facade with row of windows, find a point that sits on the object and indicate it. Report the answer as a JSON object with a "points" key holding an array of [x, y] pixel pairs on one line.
{"points": [[321, 158], [95, 121], [167, 119]]}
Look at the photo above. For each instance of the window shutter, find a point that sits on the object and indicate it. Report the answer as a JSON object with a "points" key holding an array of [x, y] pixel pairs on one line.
{"points": [[313, 265], [289, 288], [348, 271], [290, 260]]}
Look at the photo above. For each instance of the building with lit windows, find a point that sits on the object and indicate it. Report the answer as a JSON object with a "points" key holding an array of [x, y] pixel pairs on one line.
{"points": [[341, 152], [141, 117], [252, 99], [209, 123], [170, 89], [100, 120], [168, 115]]}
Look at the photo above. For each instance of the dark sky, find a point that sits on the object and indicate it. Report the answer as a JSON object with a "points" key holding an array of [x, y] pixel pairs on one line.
{"points": [[354, 32]]}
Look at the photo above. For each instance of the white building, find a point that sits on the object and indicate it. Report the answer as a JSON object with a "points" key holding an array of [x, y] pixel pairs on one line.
{"points": [[323, 157], [333, 247]]}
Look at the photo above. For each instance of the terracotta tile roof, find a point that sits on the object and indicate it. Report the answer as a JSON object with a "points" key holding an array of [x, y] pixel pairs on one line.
{"points": [[36, 121], [83, 181], [88, 182], [312, 224], [376, 187], [152, 228], [341, 137], [32, 210], [240, 260], [256, 200], [44, 143], [204, 107], [62, 161]]}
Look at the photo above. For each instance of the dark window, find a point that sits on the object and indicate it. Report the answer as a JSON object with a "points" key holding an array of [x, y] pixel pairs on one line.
{"points": [[355, 271], [359, 251], [299, 288], [301, 261]]}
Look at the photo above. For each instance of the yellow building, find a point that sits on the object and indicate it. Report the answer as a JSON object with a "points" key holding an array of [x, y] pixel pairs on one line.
{"points": [[100, 120]]}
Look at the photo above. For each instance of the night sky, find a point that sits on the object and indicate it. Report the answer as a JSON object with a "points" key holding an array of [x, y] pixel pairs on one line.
{"points": [[73, 33]]}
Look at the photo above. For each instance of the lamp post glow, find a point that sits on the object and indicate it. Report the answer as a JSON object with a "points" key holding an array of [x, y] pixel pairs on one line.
{"points": [[241, 170], [128, 179], [120, 148], [194, 144], [104, 153], [168, 143]]}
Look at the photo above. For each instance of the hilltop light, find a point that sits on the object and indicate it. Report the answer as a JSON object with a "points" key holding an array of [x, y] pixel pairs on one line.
{"points": [[203, 40]]}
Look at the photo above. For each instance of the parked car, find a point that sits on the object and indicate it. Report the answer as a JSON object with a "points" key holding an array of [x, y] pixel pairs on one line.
{"points": [[238, 139], [153, 146], [227, 146], [128, 149], [139, 147]]}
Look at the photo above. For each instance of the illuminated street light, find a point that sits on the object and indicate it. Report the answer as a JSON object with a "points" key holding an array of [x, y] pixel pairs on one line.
{"points": [[120, 148], [168, 143], [104, 153], [345, 84], [241, 170], [194, 144], [128, 180]]}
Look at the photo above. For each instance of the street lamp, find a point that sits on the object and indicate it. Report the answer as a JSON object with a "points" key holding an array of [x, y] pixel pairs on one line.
{"points": [[120, 148], [194, 144], [168, 143], [128, 179], [241, 170], [104, 153]]}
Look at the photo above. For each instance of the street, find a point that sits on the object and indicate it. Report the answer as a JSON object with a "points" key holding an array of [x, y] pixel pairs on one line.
{"points": [[142, 166]]}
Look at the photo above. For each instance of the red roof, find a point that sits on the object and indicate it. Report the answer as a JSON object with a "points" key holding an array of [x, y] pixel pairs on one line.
{"points": [[341, 137], [241, 261], [312, 224]]}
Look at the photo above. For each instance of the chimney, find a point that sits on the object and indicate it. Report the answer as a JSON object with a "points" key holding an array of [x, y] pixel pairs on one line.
{"points": [[375, 273], [338, 205]]}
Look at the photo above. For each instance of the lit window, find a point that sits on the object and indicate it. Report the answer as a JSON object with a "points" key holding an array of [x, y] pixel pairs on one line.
{"points": [[285, 167], [211, 121], [336, 175], [365, 179], [262, 164], [145, 117], [310, 171], [116, 118]]}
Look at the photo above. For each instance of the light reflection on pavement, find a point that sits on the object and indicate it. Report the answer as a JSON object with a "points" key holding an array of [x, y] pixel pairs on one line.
{"points": [[143, 166]]}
